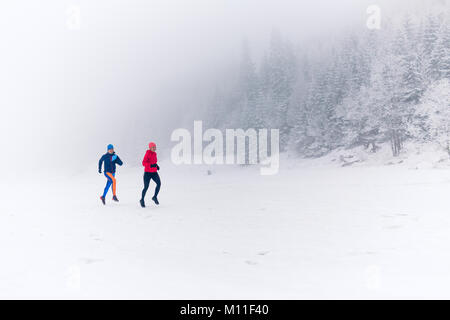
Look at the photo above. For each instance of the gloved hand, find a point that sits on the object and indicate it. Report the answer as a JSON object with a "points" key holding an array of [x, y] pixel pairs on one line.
{"points": [[114, 157], [100, 171], [157, 167]]}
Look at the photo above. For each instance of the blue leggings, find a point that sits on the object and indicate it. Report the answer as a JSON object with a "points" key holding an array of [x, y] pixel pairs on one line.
{"points": [[111, 181]]}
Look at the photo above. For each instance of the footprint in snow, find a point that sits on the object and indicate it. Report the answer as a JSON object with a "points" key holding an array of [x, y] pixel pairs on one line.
{"points": [[393, 227], [90, 260], [361, 253], [263, 253], [95, 237], [252, 263], [395, 215]]}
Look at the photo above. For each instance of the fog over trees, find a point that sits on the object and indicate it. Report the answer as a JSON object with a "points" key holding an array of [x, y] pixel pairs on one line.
{"points": [[134, 72], [365, 88]]}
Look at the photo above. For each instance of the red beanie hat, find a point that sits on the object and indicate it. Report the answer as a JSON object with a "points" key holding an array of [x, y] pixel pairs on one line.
{"points": [[151, 144]]}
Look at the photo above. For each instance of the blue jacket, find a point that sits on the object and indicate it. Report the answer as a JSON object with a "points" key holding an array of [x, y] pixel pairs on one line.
{"points": [[110, 165]]}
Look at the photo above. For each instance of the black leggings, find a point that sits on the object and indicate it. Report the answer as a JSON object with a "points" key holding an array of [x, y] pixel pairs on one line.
{"points": [[147, 177]]}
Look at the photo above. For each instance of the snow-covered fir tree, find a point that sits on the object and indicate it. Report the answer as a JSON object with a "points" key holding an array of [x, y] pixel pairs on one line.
{"points": [[366, 89]]}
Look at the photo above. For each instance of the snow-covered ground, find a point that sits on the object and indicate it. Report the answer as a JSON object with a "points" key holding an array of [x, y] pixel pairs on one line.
{"points": [[308, 232]]}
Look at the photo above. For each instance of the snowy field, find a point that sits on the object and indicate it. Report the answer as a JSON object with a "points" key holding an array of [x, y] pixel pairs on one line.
{"points": [[308, 232]]}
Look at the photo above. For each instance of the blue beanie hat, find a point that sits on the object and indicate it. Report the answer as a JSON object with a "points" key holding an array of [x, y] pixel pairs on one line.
{"points": [[110, 146]]}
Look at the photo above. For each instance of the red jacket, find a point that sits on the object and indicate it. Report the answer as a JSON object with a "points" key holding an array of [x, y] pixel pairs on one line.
{"points": [[149, 159]]}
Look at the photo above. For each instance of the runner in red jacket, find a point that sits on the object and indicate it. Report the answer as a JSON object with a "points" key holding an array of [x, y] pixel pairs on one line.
{"points": [[151, 172]]}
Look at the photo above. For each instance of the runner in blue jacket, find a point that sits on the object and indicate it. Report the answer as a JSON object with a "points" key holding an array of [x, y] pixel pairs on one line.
{"points": [[109, 159]]}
